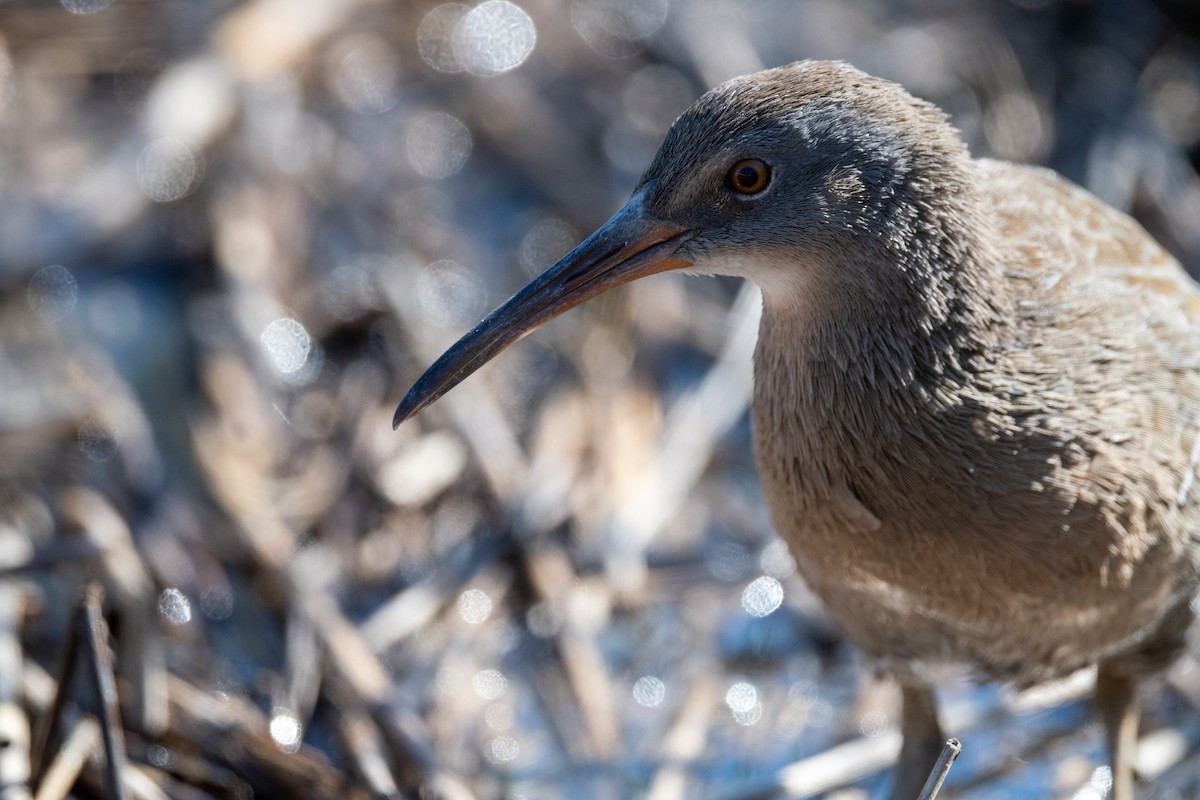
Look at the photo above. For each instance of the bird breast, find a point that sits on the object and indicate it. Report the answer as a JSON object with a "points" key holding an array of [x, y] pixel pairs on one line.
{"points": [[1030, 520]]}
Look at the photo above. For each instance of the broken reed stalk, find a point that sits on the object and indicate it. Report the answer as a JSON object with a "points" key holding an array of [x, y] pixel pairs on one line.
{"points": [[89, 620], [89, 631], [63, 770], [941, 769], [46, 729]]}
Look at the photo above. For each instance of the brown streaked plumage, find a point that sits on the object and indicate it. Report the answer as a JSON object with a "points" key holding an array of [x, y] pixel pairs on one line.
{"points": [[977, 387]]}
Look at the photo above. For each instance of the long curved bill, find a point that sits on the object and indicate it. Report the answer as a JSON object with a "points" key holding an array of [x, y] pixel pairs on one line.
{"points": [[629, 246]]}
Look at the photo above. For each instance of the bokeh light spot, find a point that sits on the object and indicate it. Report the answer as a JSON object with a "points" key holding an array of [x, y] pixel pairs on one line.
{"points": [[776, 560], [474, 606], [367, 78], [649, 691], [287, 345], [435, 37], [285, 729], [543, 621], [502, 749], [762, 597], [53, 292], [174, 607], [494, 37], [749, 716], [741, 696], [167, 169], [499, 716], [216, 603], [742, 699], [545, 243], [438, 145], [160, 756], [489, 683]]}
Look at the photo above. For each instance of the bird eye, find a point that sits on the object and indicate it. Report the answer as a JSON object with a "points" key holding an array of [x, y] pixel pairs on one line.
{"points": [[749, 176]]}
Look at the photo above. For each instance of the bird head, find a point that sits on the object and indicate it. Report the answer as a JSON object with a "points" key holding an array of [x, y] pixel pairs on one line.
{"points": [[773, 177]]}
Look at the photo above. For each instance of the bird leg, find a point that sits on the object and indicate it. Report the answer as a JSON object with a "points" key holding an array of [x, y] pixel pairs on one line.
{"points": [[923, 740], [1116, 700]]}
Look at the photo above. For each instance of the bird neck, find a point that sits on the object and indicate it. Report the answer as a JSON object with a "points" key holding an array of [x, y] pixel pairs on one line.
{"points": [[882, 344]]}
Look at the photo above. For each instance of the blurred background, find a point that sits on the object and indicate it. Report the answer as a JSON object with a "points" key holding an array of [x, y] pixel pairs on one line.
{"points": [[232, 233]]}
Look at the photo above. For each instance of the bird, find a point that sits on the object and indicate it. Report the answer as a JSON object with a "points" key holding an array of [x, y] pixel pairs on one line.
{"points": [[976, 399]]}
